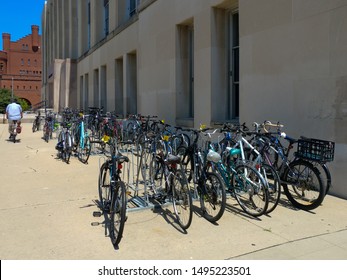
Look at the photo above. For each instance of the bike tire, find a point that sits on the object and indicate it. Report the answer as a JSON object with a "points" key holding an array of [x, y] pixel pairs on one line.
{"points": [[182, 200], [46, 132], [303, 185], [273, 181], [34, 128], [68, 147], [83, 150], [117, 212], [183, 153], [156, 176], [250, 190], [145, 162], [104, 187], [325, 175], [213, 201]]}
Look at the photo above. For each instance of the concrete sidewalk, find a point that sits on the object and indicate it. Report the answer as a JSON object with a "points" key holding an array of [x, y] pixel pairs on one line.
{"points": [[46, 212]]}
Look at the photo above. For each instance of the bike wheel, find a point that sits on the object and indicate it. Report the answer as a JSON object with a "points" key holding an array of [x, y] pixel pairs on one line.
{"points": [[34, 128], [250, 190], [60, 145], [46, 132], [104, 188], [76, 135], [156, 176], [213, 198], [117, 212], [303, 185], [145, 161], [130, 132], [182, 200], [83, 149], [325, 175], [274, 185], [178, 141], [67, 147], [182, 152]]}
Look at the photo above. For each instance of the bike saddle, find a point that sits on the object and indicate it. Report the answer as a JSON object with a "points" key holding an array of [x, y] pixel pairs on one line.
{"points": [[172, 159], [121, 158]]}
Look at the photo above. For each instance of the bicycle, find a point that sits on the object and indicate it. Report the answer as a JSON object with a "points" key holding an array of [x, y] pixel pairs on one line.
{"points": [[95, 122], [175, 189], [250, 155], [65, 142], [301, 180], [36, 123], [112, 193], [208, 186], [243, 181], [14, 128], [48, 126], [83, 142]]}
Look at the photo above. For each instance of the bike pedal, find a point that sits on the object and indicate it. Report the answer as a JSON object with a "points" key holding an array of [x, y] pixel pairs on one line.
{"points": [[97, 214]]}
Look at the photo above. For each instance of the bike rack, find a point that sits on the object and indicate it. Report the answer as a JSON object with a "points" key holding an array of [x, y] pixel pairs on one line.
{"points": [[138, 195]]}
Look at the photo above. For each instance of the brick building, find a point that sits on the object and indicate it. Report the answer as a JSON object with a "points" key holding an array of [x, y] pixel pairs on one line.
{"points": [[20, 66]]}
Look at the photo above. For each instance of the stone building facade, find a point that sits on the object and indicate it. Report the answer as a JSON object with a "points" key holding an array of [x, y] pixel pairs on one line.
{"points": [[20, 66], [205, 61]]}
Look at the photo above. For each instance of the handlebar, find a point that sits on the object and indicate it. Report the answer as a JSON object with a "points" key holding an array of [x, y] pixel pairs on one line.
{"points": [[267, 124]]}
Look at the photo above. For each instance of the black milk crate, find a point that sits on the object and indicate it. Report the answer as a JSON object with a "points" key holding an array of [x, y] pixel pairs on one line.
{"points": [[316, 150]]}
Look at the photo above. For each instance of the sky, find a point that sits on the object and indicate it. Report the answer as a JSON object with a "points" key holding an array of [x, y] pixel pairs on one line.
{"points": [[17, 17]]}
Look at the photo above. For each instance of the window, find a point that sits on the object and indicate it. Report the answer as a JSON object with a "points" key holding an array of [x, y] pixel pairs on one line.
{"points": [[132, 7], [106, 16], [119, 80], [28, 62], [185, 72], [225, 65], [234, 62], [89, 25], [103, 87], [96, 92], [131, 83], [22, 61]]}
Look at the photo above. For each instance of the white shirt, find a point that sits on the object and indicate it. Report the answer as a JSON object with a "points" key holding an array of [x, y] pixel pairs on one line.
{"points": [[14, 111]]}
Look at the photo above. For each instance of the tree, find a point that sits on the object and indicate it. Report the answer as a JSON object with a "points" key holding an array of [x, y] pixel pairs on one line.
{"points": [[5, 99]]}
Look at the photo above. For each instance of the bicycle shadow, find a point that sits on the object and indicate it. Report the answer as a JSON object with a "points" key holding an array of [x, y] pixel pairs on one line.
{"points": [[17, 140], [234, 208], [199, 213], [168, 215], [285, 202], [106, 223]]}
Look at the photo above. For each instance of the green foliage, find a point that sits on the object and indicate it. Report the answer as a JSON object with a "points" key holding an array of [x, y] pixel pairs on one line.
{"points": [[24, 104], [5, 99]]}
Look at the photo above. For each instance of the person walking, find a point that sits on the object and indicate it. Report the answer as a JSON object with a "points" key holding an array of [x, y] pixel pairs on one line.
{"points": [[14, 114]]}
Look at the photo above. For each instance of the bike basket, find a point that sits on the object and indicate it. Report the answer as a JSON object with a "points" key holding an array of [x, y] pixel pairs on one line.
{"points": [[315, 150]]}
